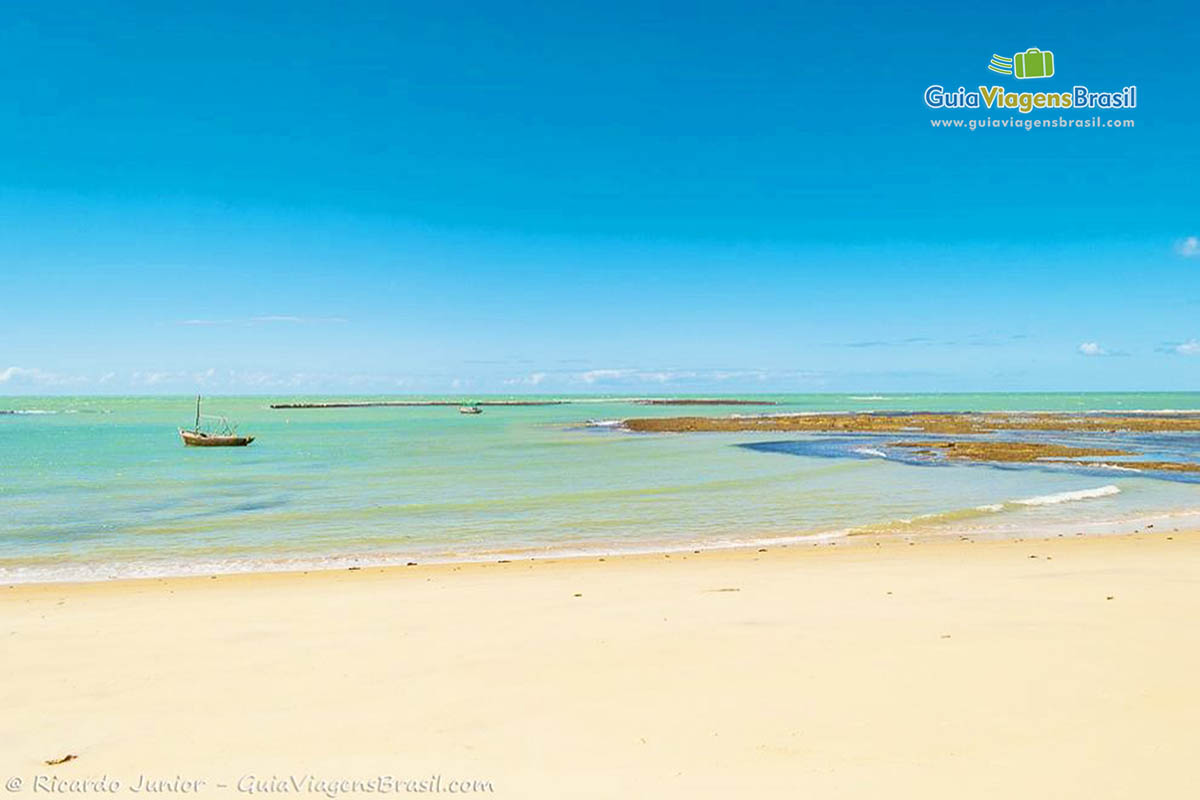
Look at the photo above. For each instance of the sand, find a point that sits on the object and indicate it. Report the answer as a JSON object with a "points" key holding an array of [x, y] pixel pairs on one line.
{"points": [[1056, 668]]}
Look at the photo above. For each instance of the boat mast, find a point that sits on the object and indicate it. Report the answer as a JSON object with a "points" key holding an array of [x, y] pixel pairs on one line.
{"points": [[197, 413]]}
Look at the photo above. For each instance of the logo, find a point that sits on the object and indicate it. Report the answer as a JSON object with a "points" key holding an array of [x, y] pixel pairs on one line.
{"points": [[1033, 63]]}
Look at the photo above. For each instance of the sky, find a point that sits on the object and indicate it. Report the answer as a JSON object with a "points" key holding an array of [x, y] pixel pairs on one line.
{"points": [[644, 198]]}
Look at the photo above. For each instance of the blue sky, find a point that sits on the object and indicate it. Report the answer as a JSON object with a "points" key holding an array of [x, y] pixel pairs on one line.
{"points": [[616, 197]]}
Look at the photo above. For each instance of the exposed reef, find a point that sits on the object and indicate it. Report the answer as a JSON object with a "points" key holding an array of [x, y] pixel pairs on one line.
{"points": [[980, 448], [923, 422]]}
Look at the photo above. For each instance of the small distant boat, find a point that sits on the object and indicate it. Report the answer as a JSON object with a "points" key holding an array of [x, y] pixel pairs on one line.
{"points": [[470, 410], [223, 435]]}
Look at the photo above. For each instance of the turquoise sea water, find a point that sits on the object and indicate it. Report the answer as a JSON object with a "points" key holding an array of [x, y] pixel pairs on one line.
{"points": [[95, 487]]}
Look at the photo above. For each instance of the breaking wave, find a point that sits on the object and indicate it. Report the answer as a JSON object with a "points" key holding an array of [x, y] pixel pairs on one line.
{"points": [[1068, 497], [987, 510]]}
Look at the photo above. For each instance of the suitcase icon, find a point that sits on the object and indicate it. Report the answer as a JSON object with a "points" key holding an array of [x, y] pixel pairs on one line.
{"points": [[1033, 63]]}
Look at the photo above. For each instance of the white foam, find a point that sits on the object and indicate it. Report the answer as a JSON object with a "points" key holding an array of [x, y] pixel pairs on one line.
{"points": [[161, 568], [1131, 411], [1068, 497], [870, 451]]}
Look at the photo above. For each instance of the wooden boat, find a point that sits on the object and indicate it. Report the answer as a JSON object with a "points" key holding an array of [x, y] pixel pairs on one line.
{"points": [[201, 439], [470, 410], [224, 436]]}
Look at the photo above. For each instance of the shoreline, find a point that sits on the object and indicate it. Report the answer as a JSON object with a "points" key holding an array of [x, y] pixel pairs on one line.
{"points": [[866, 543], [1185, 521], [899, 670]]}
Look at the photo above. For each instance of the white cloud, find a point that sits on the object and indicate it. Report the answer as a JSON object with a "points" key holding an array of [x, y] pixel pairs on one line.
{"points": [[734, 374], [263, 319], [159, 379], [1189, 348], [1092, 349], [604, 375], [152, 377], [296, 320], [19, 376], [627, 376], [532, 379], [684, 377], [665, 376], [1188, 247]]}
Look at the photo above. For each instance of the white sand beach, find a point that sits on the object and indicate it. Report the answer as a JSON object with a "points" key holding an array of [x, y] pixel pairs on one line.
{"points": [[1040, 668]]}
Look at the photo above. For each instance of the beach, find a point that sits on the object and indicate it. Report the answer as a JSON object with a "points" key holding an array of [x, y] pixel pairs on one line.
{"points": [[599, 402], [1037, 667]]}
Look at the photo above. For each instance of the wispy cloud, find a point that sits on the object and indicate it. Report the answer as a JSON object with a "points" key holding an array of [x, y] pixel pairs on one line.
{"points": [[1188, 247], [1189, 348], [264, 319], [1097, 350], [630, 377], [910, 340], [32, 376], [926, 341], [532, 379], [605, 375], [287, 318], [496, 362], [153, 377], [15, 373], [214, 379]]}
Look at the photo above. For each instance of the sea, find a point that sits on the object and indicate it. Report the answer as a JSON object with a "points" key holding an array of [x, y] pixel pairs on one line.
{"points": [[96, 488]]}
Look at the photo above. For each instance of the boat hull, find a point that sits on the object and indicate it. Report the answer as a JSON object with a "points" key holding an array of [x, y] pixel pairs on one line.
{"points": [[193, 439]]}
